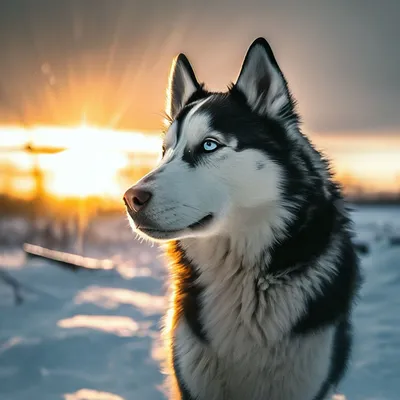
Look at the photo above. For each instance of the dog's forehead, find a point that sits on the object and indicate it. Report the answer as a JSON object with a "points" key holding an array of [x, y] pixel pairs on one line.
{"points": [[192, 125], [196, 127], [218, 115]]}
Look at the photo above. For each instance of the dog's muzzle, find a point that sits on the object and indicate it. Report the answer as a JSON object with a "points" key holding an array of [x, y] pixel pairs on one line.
{"points": [[136, 198]]}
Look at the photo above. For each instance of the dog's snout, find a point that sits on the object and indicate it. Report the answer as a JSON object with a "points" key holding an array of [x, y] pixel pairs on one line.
{"points": [[137, 198]]}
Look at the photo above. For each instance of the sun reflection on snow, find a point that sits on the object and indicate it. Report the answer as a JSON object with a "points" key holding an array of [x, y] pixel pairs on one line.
{"points": [[88, 394], [120, 326], [113, 297]]}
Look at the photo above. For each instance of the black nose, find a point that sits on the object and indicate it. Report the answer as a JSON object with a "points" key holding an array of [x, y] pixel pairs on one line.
{"points": [[136, 198]]}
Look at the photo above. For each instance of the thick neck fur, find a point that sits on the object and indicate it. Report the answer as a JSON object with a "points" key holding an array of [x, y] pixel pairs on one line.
{"points": [[228, 287]]}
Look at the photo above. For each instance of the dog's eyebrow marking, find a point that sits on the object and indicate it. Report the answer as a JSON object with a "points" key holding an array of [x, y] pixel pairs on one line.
{"points": [[187, 122], [186, 113]]}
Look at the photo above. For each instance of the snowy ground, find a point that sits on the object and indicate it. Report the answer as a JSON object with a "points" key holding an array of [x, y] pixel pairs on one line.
{"points": [[93, 334]]}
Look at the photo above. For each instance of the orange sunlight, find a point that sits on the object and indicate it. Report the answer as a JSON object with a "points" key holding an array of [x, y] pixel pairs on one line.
{"points": [[117, 325], [88, 160], [373, 161], [90, 394]]}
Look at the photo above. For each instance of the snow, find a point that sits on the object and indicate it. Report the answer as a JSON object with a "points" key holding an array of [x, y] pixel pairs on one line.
{"points": [[94, 335]]}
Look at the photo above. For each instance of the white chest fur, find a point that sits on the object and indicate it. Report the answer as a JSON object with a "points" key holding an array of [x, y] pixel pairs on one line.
{"points": [[247, 317], [290, 369]]}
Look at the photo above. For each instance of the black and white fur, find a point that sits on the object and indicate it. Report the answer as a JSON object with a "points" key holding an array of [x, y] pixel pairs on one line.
{"points": [[263, 267]]}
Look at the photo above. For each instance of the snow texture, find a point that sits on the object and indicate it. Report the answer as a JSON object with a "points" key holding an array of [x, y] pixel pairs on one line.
{"points": [[93, 335]]}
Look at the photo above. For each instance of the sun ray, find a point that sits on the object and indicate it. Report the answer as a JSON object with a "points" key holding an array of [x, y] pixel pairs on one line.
{"points": [[90, 162]]}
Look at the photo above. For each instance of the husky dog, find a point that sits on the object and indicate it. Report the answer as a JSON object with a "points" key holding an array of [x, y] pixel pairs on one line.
{"points": [[262, 263]]}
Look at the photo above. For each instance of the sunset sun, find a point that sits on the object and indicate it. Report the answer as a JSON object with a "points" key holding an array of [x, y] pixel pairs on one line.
{"points": [[87, 159]]}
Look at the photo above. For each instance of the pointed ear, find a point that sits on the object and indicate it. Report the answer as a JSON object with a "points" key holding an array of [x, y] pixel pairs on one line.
{"points": [[182, 84], [262, 82]]}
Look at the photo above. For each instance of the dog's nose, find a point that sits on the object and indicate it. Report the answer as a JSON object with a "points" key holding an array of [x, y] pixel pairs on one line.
{"points": [[136, 198]]}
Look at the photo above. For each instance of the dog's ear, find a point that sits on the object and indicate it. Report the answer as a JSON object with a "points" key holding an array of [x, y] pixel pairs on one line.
{"points": [[262, 82], [182, 84]]}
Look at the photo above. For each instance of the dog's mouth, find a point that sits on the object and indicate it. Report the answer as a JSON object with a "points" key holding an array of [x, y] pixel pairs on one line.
{"points": [[157, 232], [202, 223]]}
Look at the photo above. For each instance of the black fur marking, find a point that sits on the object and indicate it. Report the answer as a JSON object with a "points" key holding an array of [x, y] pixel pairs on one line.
{"points": [[189, 157], [202, 223], [336, 295], [189, 293], [340, 355], [194, 157], [184, 392], [308, 236], [200, 94]]}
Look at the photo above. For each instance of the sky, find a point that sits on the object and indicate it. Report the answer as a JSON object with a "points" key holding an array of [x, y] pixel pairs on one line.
{"points": [[109, 60], [106, 63]]}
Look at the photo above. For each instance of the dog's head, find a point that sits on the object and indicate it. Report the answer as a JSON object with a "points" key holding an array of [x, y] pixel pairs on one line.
{"points": [[229, 158]]}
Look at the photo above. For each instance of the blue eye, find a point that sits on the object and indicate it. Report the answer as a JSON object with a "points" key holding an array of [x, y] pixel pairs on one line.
{"points": [[210, 145]]}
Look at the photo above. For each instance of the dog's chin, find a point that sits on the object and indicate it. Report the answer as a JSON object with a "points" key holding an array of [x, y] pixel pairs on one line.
{"points": [[160, 234]]}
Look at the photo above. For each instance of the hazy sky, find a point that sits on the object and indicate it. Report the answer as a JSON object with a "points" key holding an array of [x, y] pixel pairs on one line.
{"points": [[110, 59]]}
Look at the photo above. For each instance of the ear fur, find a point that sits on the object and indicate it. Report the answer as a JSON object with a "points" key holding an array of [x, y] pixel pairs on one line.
{"points": [[262, 82], [182, 84]]}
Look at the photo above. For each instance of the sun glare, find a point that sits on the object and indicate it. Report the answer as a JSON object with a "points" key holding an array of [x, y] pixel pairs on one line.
{"points": [[81, 173], [87, 160]]}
